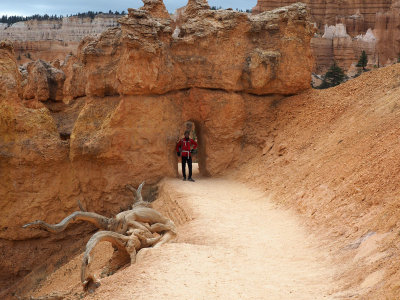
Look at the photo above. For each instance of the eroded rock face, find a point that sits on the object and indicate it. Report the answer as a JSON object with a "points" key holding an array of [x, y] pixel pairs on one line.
{"points": [[347, 28], [32, 162], [355, 14], [262, 54], [387, 28], [156, 8], [28, 138], [337, 45], [9, 76], [41, 81]]}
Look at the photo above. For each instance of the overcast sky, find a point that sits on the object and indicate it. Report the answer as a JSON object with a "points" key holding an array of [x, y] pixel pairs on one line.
{"points": [[64, 7]]}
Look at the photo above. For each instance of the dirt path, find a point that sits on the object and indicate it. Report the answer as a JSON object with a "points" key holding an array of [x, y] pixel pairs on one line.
{"points": [[237, 246]]}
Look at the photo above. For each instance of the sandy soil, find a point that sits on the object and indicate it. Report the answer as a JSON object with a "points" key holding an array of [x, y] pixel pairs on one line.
{"points": [[233, 243], [333, 156]]}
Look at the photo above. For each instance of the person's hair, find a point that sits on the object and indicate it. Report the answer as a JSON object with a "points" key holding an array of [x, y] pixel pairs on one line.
{"points": [[187, 131]]}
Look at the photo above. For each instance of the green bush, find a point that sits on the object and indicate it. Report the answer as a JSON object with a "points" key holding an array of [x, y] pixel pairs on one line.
{"points": [[333, 77], [363, 61]]}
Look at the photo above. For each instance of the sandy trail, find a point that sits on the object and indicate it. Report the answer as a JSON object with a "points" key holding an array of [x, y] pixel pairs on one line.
{"points": [[237, 246]]}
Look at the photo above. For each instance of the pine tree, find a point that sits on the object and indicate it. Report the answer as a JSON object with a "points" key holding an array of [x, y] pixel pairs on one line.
{"points": [[333, 77], [363, 61]]}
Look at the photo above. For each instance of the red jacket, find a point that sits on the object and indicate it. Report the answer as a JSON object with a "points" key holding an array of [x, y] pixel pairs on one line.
{"points": [[185, 146]]}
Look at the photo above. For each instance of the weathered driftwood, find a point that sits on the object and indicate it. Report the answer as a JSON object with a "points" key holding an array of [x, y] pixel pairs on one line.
{"points": [[128, 232]]}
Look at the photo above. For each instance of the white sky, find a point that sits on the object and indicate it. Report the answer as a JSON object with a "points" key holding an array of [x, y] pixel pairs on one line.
{"points": [[64, 7]]}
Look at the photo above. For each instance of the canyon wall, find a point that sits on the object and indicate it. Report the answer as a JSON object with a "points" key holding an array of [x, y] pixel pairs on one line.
{"points": [[358, 16], [346, 28], [387, 28], [53, 39], [111, 115]]}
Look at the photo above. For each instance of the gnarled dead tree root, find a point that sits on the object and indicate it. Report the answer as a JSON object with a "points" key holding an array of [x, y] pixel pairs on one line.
{"points": [[128, 232]]}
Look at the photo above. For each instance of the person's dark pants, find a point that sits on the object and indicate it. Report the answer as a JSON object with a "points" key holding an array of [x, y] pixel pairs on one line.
{"points": [[187, 160]]}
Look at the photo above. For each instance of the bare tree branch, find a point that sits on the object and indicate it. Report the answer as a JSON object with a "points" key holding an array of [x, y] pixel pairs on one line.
{"points": [[99, 221], [80, 206]]}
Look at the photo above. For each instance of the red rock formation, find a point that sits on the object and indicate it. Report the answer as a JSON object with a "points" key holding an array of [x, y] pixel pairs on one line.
{"points": [[32, 161], [336, 45], [42, 82], [387, 28], [9, 76], [369, 26], [262, 55], [155, 8], [323, 53]]}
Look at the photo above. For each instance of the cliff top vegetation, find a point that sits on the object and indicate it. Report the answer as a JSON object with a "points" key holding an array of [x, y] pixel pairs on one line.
{"points": [[5, 19]]}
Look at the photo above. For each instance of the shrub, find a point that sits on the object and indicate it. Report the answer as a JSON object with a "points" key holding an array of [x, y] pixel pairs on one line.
{"points": [[363, 61], [333, 77]]}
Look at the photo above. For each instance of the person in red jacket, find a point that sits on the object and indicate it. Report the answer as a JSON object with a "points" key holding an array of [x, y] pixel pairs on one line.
{"points": [[185, 148]]}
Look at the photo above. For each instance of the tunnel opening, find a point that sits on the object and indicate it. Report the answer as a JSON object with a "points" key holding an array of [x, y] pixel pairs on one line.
{"points": [[196, 154]]}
